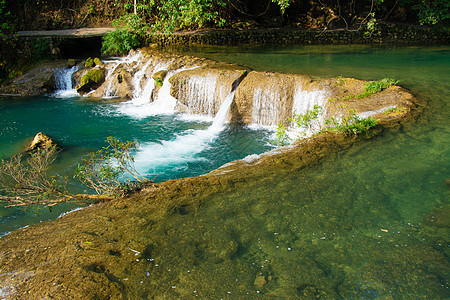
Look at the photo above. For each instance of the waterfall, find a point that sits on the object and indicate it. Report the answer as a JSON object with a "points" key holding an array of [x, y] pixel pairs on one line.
{"points": [[153, 158], [306, 100], [200, 92], [63, 82], [111, 68], [137, 80], [266, 107]]}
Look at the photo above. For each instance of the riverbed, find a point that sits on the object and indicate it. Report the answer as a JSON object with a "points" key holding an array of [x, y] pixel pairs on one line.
{"points": [[370, 222]]}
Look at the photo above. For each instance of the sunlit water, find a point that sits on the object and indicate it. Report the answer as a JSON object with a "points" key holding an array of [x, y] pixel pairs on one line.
{"points": [[172, 145], [355, 226]]}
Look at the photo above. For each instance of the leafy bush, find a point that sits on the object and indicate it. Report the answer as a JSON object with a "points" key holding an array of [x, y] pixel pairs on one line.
{"points": [[430, 12], [281, 135], [105, 170], [129, 33], [25, 179], [351, 124], [304, 120]]}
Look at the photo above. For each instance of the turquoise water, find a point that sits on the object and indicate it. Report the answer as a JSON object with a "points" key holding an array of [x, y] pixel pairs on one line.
{"points": [[371, 222], [80, 126]]}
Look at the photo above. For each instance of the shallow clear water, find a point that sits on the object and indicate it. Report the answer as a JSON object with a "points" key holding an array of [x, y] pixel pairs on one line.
{"points": [[371, 222], [80, 126]]}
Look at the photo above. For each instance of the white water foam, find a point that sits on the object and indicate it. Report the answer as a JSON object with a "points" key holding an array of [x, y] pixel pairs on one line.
{"points": [[63, 82], [140, 106], [153, 158]]}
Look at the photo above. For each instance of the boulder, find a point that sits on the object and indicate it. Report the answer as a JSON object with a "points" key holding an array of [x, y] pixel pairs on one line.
{"points": [[41, 141], [91, 80], [118, 84], [37, 81], [159, 76]]}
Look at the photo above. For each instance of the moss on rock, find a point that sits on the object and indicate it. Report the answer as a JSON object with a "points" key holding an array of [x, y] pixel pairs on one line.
{"points": [[91, 80]]}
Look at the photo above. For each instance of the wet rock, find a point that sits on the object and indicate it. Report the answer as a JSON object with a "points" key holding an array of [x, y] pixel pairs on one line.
{"points": [[91, 80], [202, 90], [118, 84], [265, 98], [159, 76], [41, 141], [37, 81]]}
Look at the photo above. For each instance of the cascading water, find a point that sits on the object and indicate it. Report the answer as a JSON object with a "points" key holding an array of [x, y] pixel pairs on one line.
{"points": [[63, 82], [153, 158], [305, 101], [141, 105], [112, 66], [200, 92], [266, 107]]}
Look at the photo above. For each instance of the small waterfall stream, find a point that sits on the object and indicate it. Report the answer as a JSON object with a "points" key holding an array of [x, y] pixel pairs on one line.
{"points": [[306, 100], [266, 107], [63, 82], [153, 157], [200, 92]]}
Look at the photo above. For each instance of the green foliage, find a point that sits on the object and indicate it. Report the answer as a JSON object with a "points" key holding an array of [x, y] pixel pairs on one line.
{"points": [[120, 41], [283, 4], [430, 12], [282, 136], [351, 124], [173, 14], [298, 121], [304, 120], [129, 33], [371, 26], [25, 179], [377, 86], [105, 171], [158, 81]]}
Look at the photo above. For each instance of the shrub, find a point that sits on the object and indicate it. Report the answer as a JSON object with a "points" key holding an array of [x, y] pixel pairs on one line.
{"points": [[377, 86], [105, 170], [25, 179]]}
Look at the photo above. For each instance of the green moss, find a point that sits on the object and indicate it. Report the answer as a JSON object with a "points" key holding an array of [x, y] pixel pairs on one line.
{"points": [[98, 62], [89, 63], [93, 76]]}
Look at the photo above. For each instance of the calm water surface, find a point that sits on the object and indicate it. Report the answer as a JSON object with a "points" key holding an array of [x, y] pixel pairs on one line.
{"points": [[369, 223]]}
